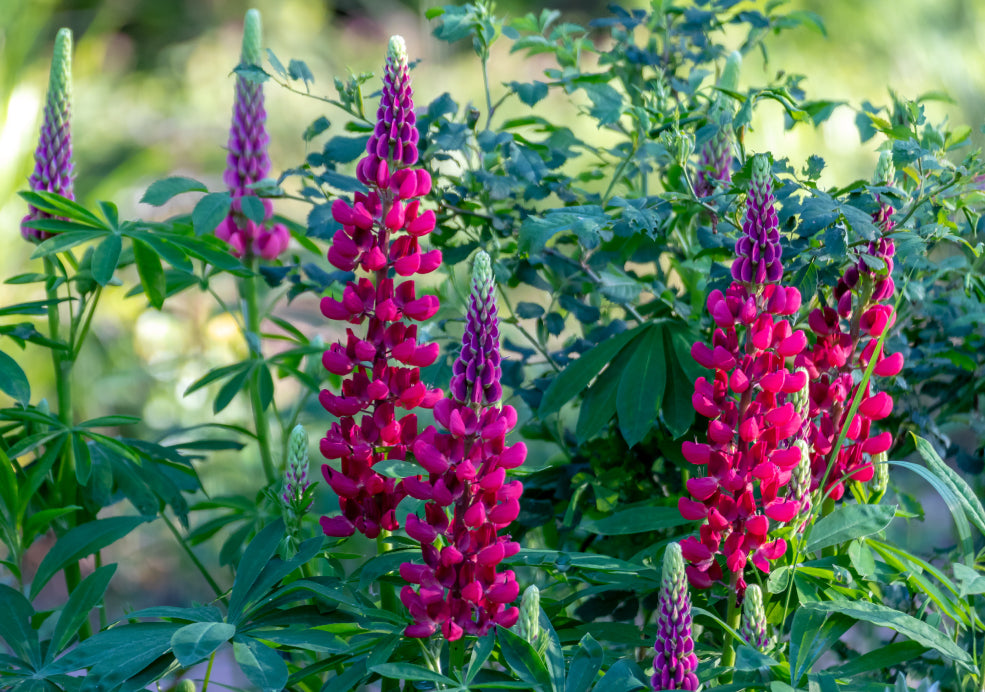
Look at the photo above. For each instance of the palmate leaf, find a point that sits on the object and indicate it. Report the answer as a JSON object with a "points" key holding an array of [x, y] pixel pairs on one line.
{"points": [[641, 387]]}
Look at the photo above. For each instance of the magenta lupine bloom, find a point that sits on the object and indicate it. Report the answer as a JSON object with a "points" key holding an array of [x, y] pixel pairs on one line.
{"points": [[753, 422], [675, 662], [458, 589], [53, 158], [860, 296], [380, 235], [247, 160]]}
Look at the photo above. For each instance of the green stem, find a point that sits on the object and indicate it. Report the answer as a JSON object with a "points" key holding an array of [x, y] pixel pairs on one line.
{"points": [[485, 82], [259, 412], [732, 620], [194, 558], [208, 673], [66, 481]]}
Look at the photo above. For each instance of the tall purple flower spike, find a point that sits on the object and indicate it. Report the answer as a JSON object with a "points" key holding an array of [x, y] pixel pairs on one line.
{"points": [[247, 161], [758, 248], [675, 662], [53, 157], [395, 136], [477, 371]]}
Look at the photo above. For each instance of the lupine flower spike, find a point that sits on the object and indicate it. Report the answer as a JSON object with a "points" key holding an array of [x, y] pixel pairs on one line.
{"points": [[294, 497], [675, 662], [380, 235], [468, 499], [53, 165], [753, 422], [847, 334], [247, 160], [715, 159], [754, 627]]}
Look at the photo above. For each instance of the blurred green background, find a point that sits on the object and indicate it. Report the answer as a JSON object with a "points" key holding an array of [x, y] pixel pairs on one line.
{"points": [[153, 95]]}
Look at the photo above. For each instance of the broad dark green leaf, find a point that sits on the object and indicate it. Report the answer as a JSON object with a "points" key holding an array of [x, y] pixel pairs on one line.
{"points": [[15, 626], [83, 459], [79, 542], [105, 258], [409, 671], [231, 388], [151, 272], [811, 635], [576, 376], [262, 665], [13, 380], [83, 599], [255, 559], [599, 403], [907, 625], [196, 642], [641, 387], [160, 191], [585, 665], [848, 522], [65, 241], [639, 519], [524, 660], [885, 656], [209, 211]]}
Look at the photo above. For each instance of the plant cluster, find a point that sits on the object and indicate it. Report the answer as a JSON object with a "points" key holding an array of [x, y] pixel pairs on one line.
{"points": [[664, 404]]}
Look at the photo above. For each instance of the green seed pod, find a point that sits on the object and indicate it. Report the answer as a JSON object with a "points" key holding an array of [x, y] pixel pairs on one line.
{"points": [[185, 686], [754, 627], [880, 481], [529, 623]]}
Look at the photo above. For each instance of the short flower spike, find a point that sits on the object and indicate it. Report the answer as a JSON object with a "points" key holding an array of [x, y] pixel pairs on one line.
{"points": [[53, 167], [675, 662]]}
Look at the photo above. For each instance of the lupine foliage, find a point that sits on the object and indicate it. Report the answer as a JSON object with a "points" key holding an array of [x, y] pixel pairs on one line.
{"points": [[702, 357]]}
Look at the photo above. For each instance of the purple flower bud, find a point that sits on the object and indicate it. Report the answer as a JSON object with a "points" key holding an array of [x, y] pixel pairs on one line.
{"points": [[714, 163], [758, 248], [247, 160], [53, 157], [476, 372], [393, 143], [675, 662], [754, 628]]}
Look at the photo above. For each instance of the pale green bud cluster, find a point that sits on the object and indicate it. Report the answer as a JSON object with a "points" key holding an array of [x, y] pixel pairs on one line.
{"points": [[397, 51], [754, 628], [801, 398], [60, 79], [885, 170], [252, 53], [482, 275], [528, 626], [880, 481]]}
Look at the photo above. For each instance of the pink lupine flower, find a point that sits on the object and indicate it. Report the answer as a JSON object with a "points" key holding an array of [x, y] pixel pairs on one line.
{"points": [[847, 335], [458, 590], [53, 157], [380, 235], [753, 423], [247, 160]]}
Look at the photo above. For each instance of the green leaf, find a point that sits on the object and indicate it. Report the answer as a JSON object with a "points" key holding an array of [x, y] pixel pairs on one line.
{"points": [[956, 484], [83, 459], [907, 625], [972, 581], [524, 660], [316, 128], [15, 626], [576, 376], [255, 559], [530, 93], [409, 671], [606, 102], [641, 387], [265, 385], [79, 542], [231, 388], [585, 665], [638, 519], [13, 380], [65, 241], [847, 523], [76, 611], [599, 403], [210, 211], [262, 665], [151, 272], [196, 642], [252, 208], [160, 191], [811, 635], [105, 259], [885, 656], [623, 676]]}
